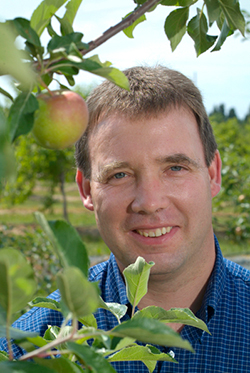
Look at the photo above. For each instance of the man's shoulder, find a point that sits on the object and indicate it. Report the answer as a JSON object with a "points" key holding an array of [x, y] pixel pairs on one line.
{"points": [[238, 273], [99, 270]]}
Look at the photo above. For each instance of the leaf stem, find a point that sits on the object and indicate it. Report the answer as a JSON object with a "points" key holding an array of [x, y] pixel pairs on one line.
{"points": [[45, 86], [112, 31], [45, 350]]}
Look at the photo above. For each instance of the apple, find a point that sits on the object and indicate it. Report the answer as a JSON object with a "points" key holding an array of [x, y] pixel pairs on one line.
{"points": [[61, 119]]}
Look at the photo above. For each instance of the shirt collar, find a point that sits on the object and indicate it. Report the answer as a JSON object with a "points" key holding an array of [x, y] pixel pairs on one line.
{"points": [[215, 286], [117, 287], [212, 296]]}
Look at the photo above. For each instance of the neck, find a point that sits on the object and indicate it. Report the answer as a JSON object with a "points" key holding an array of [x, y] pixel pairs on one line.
{"points": [[185, 289]]}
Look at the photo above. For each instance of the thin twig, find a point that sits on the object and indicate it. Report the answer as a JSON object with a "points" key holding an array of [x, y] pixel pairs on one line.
{"points": [[126, 22], [112, 31], [45, 350]]}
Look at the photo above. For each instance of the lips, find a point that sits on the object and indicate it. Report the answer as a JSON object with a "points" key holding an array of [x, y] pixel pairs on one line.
{"points": [[154, 232]]}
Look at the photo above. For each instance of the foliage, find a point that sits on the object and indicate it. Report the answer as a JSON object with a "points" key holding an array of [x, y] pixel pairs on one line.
{"points": [[34, 164], [94, 349], [36, 66], [33, 243], [233, 139]]}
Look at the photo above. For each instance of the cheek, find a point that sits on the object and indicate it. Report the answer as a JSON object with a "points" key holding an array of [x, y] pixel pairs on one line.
{"points": [[107, 206], [193, 194]]}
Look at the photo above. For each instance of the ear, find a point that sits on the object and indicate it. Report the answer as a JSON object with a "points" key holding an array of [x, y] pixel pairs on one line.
{"points": [[85, 190], [215, 174]]}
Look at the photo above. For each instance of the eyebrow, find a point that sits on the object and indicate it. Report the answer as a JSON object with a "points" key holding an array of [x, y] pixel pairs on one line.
{"points": [[178, 158], [109, 168], [170, 159]]}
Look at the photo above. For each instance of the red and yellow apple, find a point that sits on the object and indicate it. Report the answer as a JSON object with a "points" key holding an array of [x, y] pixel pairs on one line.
{"points": [[61, 119]]}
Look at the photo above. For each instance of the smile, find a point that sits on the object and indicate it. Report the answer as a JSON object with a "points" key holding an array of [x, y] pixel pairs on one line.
{"points": [[155, 232]]}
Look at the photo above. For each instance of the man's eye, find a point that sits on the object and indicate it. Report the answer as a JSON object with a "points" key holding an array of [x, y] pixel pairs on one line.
{"points": [[119, 175], [176, 168]]}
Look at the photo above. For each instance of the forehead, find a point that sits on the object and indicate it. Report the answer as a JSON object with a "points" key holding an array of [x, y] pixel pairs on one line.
{"points": [[173, 131]]}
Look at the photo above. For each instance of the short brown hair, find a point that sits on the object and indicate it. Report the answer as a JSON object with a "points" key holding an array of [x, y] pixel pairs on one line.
{"points": [[153, 90]]}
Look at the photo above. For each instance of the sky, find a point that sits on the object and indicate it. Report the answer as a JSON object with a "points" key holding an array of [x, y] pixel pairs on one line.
{"points": [[222, 77]]}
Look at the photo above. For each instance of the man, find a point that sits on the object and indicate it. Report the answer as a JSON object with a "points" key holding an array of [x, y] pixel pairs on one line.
{"points": [[148, 166]]}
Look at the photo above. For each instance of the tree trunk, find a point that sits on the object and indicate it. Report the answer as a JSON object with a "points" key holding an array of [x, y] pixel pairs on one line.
{"points": [[62, 187]]}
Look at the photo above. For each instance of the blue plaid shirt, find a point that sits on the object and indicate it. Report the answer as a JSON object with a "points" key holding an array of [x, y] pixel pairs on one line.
{"points": [[225, 309]]}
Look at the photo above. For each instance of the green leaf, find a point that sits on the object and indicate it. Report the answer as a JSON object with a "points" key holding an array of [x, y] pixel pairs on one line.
{"points": [[69, 16], [60, 365], [45, 303], [175, 26], [21, 115], [120, 343], [169, 2], [17, 280], [31, 343], [150, 331], [65, 42], [4, 356], [42, 14], [149, 355], [234, 17], [52, 333], [65, 67], [7, 94], [11, 62], [38, 341], [174, 315], [82, 305], [90, 358], [213, 10], [63, 238], [25, 30], [114, 75], [129, 30], [225, 32], [89, 321], [186, 2], [197, 29], [118, 310], [23, 367], [178, 2], [95, 66], [16, 333], [70, 80], [136, 277], [7, 159], [3, 316]]}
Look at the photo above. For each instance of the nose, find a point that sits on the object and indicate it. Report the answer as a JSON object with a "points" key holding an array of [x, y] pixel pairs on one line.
{"points": [[150, 196]]}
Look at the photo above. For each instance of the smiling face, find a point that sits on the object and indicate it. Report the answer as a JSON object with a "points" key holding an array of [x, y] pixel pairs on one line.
{"points": [[151, 190]]}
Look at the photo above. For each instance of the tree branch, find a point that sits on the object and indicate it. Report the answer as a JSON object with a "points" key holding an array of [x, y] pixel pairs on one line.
{"points": [[126, 22], [112, 31]]}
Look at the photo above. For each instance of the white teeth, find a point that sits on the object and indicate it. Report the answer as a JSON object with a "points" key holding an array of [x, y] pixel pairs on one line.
{"points": [[151, 234], [156, 233], [164, 230]]}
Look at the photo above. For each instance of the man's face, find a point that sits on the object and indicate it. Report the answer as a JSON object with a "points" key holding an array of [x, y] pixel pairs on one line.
{"points": [[151, 190]]}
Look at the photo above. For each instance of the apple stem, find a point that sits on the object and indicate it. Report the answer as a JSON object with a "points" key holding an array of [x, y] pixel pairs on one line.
{"points": [[45, 86]]}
